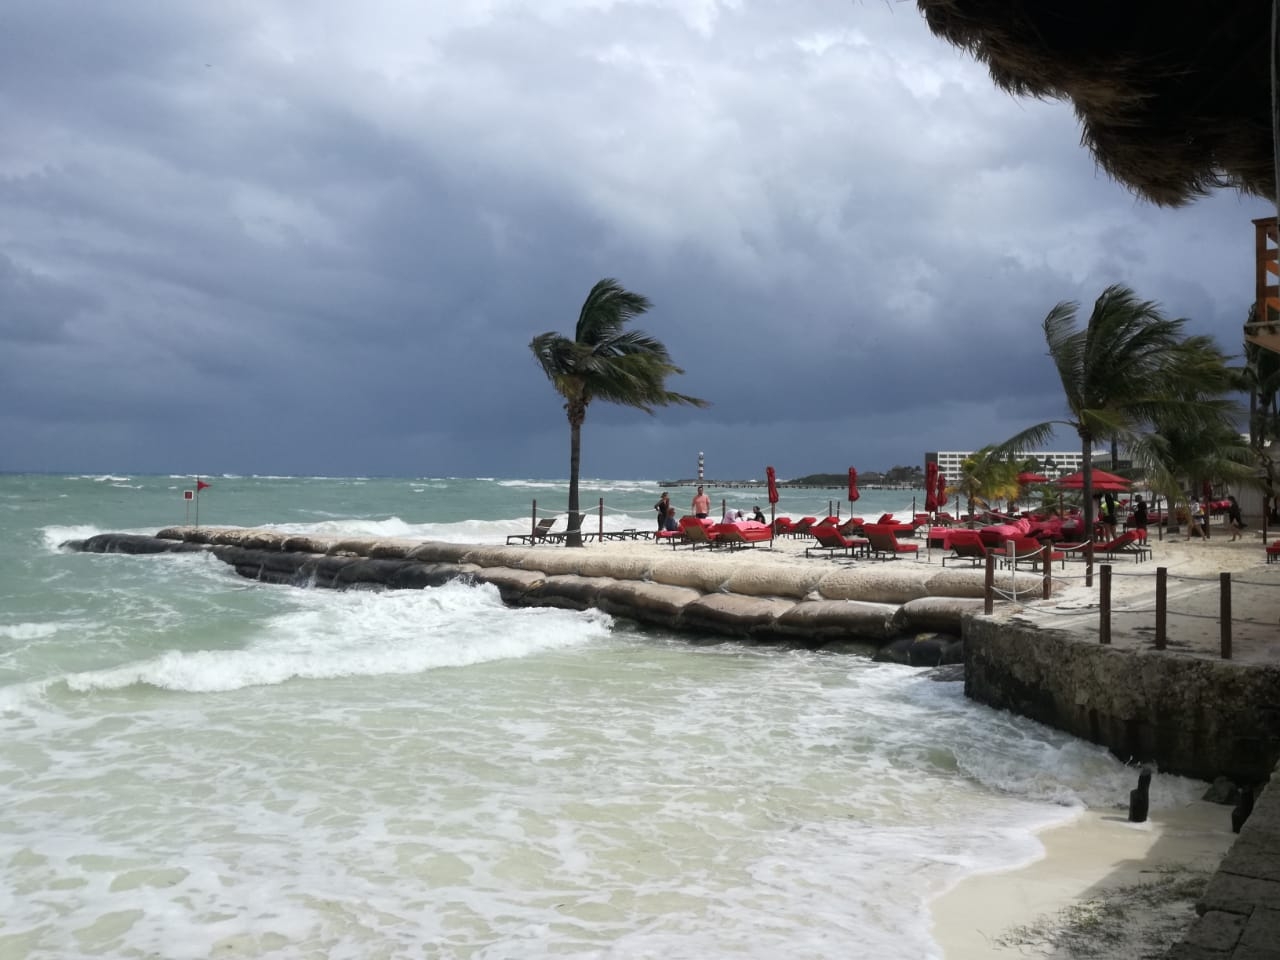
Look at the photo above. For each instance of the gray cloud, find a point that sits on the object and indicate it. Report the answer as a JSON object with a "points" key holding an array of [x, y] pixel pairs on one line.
{"points": [[237, 238]]}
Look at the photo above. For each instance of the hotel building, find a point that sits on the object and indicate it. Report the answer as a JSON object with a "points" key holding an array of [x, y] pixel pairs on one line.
{"points": [[1052, 463]]}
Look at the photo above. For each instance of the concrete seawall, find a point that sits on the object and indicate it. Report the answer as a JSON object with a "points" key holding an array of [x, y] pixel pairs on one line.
{"points": [[1193, 716]]}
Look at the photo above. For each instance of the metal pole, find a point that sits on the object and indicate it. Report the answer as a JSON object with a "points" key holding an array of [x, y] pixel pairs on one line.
{"points": [[1162, 607], [533, 524], [1224, 613], [197, 501], [1104, 605], [602, 519]]}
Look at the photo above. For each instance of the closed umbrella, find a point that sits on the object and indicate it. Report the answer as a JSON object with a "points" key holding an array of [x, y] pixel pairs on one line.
{"points": [[941, 495], [931, 487], [773, 499], [853, 488]]}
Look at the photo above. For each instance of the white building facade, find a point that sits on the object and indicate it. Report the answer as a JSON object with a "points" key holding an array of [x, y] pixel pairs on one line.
{"points": [[1051, 463]]}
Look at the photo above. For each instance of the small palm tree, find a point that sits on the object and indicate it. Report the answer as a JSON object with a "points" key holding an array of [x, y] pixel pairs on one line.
{"points": [[605, 361], [1129, 367], [985, 477]]}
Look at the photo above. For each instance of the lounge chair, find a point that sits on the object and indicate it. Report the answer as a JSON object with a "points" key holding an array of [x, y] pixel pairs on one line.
{"points": [[966, 545], [744, 534], [831, 541], [850, 527], [1127, 544], [884, 544], [1028, 550], [782, 525], [697, 533], [802, 526], [540, 533], [1273, 552]]}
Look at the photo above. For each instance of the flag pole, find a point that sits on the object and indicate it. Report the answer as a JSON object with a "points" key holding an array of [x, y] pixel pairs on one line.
{"points": [[197, 501]]}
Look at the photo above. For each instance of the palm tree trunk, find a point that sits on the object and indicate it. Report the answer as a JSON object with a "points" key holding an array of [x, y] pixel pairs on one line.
{"points": [[574, 537], [1086, 463]]}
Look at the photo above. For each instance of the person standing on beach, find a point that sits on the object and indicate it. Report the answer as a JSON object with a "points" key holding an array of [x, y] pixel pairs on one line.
{"points": [[662, 506], [1108, 514], [1199, 522], [1140, 514], [1234, 520], [701, 505]]}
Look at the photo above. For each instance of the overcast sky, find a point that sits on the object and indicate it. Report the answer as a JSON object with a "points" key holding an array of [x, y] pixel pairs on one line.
{"points": [[270, 237]]}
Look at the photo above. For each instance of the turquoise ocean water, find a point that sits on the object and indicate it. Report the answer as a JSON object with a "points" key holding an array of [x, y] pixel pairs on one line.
{"points": [[193, 765]]}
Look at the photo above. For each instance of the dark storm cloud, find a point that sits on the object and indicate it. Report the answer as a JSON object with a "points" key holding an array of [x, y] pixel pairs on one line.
{"points": [[237, 238]]}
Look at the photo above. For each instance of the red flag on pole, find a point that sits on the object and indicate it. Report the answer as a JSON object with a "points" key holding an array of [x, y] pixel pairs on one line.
{"points": [[201, 485], [853, 487], [773, 484]]}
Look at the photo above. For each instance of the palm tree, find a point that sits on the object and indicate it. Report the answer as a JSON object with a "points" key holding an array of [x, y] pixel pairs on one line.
{"points": [[605, 361], [1129, 367], [1180, 458], [985, 476]]}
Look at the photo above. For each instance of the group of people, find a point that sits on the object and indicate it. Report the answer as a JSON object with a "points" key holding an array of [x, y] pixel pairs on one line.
{"points": [[1108, 516], [1199, 525], [701, 508]]}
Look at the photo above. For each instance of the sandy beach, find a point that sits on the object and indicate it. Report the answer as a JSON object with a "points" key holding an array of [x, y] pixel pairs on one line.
{"points": [[1103, 884]]}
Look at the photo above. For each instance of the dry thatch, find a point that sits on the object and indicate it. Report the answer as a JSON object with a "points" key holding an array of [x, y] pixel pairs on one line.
{"points": [[1174, 98]]}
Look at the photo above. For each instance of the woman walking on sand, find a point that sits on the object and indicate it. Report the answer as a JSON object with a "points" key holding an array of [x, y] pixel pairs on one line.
{"points": [[1234, 520]]}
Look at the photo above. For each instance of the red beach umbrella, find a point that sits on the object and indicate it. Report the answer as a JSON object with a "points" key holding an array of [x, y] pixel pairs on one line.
{"points": [[930, 487], [941, 495], [853, 486], [1024, 479], [1102, 481], [773, 484]]}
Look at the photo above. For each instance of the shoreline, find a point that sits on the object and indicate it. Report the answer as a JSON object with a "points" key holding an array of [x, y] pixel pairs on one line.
{"points": [[1095, 867]]}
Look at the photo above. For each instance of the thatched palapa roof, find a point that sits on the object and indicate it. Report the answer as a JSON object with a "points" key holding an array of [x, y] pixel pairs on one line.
{"points": [[1174, 98]]}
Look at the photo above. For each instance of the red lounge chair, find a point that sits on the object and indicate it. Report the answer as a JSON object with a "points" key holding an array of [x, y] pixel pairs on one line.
{"points": [[802, 526], [966, 545], [884, 544], [747, 533], [1273, 552], [782, 525], [1028, 550], [830, 541], [851, 526], [699, 533]]}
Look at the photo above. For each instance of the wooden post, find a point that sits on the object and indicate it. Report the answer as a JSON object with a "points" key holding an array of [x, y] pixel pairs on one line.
{"points": [[1224, 613], [773, 523], [602, 519], [533, 524], [989, 586], [1046, 580], [1162, 607], [1104, 605], [1088, 557]]}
